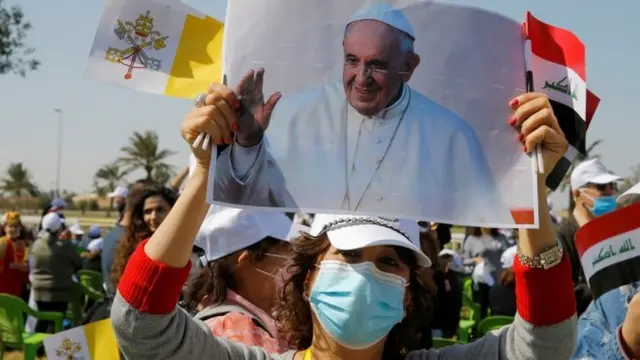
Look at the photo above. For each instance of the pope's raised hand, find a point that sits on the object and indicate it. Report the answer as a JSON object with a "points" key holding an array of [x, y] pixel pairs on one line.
{"points": [[255, 113]]}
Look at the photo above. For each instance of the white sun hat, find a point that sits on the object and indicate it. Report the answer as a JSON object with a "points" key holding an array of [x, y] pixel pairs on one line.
{"points": [[349, 232]]}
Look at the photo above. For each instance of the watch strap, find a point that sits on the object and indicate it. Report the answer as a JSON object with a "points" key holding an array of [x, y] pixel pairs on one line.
{"points": [[549, 258]]}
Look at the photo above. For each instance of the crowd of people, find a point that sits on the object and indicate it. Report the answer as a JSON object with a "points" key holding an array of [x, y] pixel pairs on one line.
{"points": [[344, 287], [183, 279]]}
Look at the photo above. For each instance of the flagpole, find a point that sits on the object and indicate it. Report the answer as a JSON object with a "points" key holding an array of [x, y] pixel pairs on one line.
{"points": [[59, 160]]}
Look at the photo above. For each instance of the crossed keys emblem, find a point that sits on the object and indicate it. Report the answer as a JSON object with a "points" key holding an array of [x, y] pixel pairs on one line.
{"points": [[141, 37]]}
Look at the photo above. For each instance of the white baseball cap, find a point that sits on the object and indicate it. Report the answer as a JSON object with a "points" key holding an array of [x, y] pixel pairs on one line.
{"points": [[348, 232], [508, 256], [385, 13], [226, 230], [119, 191], [76, 229], [591, 171], [457, 264], [52, 221]]}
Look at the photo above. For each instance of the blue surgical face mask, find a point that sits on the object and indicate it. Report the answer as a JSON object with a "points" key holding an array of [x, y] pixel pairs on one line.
{"points": [[357, 304], [602, 205]]}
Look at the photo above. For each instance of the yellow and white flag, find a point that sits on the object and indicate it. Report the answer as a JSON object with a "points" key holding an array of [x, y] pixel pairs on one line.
{"points": [[163, 47], [94, 341]]}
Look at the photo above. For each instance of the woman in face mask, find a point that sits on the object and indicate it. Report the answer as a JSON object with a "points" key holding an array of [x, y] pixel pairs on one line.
{"points": [[234, 292], [357, 290]]}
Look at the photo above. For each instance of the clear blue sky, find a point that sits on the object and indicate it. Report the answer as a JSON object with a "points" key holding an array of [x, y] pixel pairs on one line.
{"points": [[98, 118]]}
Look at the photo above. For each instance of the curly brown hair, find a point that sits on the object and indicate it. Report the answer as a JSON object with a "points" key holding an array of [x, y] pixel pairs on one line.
{"points": [[137, 230], [293, 313], [213, 280]]}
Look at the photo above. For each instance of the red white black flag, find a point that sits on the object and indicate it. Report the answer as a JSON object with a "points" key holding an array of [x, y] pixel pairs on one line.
{"points": [[558, 68], [609, 249]]}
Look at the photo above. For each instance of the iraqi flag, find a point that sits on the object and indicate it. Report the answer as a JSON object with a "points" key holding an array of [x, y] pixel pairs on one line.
{"points": [[557, 67], [609, 249]]}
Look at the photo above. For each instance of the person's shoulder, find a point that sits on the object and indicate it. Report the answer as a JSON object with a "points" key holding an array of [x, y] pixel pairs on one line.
{"points": [[311, 98], [431, 113]]}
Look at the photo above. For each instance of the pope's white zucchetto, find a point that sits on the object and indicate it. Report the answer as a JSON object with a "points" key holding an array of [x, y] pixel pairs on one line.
{"points": [[385, 13]]}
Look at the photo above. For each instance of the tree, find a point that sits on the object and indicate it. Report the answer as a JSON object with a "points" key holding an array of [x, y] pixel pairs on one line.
{"points": [[107, 178], [15, 55], [162, 176], [566, 182], [143, 152], [18, 181]]}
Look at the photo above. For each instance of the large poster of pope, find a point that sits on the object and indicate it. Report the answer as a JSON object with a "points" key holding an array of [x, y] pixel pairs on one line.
{"points": [[396, 108]]}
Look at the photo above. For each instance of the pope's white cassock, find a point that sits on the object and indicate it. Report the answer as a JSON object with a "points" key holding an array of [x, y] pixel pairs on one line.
{"points": [[434, 167]]}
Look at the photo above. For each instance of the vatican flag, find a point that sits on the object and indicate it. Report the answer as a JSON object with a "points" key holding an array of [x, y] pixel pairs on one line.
{"points": [[94, 341], [163, 47]]}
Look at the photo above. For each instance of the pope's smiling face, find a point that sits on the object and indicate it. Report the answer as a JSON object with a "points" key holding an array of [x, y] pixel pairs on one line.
{"points": [[377, 62]]}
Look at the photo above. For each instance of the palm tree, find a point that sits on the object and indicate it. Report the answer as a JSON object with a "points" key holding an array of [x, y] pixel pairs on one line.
{"points": [[566, 182], [18, 181], [161, 176], [107, 178], [143, 152]]}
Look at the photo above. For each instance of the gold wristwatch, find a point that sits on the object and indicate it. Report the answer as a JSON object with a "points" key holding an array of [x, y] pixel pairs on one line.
{"points": [[549, 258]]}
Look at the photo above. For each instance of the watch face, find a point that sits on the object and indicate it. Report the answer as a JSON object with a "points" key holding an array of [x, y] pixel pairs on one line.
{"points": [[549, 258]]}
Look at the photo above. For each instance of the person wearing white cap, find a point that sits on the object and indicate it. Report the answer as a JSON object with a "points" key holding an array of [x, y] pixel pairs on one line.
{"points": [[446, 318], [93, 253], [119, 197], [77, 232], [593, 188], [357, 289], [350, 138], [54, 261], [234, 291]]}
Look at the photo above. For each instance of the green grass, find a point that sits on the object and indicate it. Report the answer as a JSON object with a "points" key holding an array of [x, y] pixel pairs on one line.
{"points": [[17, 355], [87, 219]]}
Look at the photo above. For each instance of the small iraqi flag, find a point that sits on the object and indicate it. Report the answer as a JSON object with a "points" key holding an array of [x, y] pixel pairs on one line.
{"points": [[557, 66], [609, 249]]}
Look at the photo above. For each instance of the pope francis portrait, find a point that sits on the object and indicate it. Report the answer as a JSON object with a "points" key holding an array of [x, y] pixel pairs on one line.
{"points": [[368, 143]]}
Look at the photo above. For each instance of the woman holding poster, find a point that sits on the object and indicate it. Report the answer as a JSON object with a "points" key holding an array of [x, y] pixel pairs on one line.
{"points": [[358, 289]]}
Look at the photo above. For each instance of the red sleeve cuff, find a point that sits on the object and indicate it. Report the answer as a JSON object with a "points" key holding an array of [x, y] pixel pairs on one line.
{"points": [[544, 297], [150, 286]]}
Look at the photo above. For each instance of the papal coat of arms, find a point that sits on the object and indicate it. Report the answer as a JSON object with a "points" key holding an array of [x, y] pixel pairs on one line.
{"points": [[68, 350], [140, 37]]}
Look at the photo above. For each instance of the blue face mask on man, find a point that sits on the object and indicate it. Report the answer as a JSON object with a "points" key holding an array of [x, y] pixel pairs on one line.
{"points": [[602, 205], [357, 304]]}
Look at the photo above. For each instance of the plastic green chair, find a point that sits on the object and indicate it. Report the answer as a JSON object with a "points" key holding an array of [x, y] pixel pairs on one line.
{"points": [[75, 306], [466, 324], [91, 282], [492, 323], [12, 325], [439, 343], [467, 287]]}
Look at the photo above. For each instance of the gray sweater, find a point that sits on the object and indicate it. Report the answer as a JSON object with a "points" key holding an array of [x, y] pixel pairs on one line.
{"points": [[177, 336]]}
